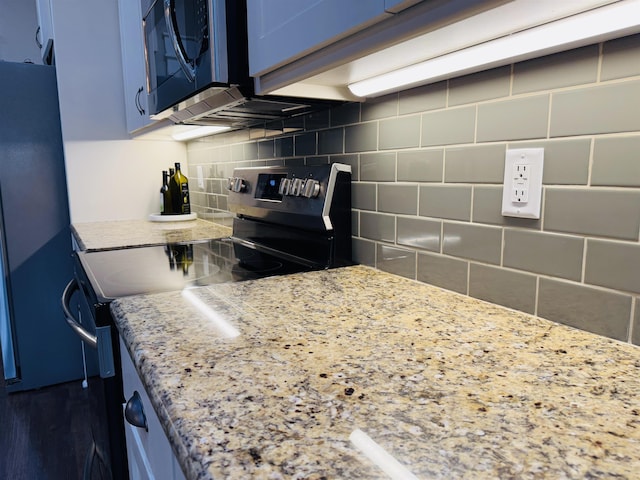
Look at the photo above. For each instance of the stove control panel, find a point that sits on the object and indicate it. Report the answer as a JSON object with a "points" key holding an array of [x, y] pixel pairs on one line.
{"points": [[297, 195]]}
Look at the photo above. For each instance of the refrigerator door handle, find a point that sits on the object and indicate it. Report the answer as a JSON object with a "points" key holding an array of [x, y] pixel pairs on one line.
{"points": [[86, 337]]}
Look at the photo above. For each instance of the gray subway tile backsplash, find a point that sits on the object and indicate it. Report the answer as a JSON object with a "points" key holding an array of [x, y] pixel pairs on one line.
{"points": [[609, 108], [598, 311], [420, 165], [616, 55], [419, 233], [480, 86], [364, 251], [346, 114], [545, 253], [361, 138], [402, 132], [474, 164], [613, 264], [250, 151], [422, 99], [445, 201], [331, 141], [378, 226], [305, 144], [363, 196], [317, 120], [513, 119], [398, 198], [616, 162], [443, 271], [378, 167], [396, 260], [427, 177], [283, 147], [266, 149], [504, 287], [598, 212], [474, 242], [448, 127], [575, 67], [380, 107]]}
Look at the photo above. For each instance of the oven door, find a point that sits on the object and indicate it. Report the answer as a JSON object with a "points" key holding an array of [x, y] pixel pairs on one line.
{"points": [[183, 54], [105, 456]]}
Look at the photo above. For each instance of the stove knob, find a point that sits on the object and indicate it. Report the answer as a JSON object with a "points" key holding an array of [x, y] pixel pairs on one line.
{"points": [[311, 188], [296, 187], [236, 184], [285, 186]]}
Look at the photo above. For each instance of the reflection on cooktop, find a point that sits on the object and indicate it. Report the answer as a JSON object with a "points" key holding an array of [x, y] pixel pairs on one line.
{"points": [[175, 266]]}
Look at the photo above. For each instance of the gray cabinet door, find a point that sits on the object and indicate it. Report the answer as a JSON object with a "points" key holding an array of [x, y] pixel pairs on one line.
{"points": [[281, 31], [133, 65]]}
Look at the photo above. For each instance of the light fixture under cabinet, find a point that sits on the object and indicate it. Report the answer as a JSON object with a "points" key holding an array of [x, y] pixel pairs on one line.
{"points": [[599, 24], [190, 132]]}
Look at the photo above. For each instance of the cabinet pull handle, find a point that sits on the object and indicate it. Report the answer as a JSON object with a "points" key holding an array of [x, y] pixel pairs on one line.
{"points": [[38, 42], [134, 412], [138, 103]]}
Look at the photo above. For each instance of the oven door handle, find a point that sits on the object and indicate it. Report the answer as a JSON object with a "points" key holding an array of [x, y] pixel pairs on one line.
{"points": [[86, 337]]}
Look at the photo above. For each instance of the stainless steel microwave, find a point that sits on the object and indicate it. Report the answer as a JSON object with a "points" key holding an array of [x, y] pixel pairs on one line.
{"points": [[197, 66], [191, 45]]}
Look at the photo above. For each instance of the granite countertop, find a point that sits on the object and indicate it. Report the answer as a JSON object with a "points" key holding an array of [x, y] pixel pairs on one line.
{"points": [[137, 233], [450, 386]]}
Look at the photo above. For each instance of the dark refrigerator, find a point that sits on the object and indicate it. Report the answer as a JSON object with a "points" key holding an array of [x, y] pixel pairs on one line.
{"points": [[38, 348]]}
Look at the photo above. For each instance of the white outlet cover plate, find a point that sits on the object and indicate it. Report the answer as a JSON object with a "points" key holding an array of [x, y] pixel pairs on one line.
{"points": [[200, 177], [531, 201]]}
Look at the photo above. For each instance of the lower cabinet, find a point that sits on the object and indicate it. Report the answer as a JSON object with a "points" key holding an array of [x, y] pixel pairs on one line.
{"points": [[148, 449]]}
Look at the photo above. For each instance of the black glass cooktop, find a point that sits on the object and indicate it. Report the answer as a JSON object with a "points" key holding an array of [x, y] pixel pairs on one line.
{"points": [[161, 268]]}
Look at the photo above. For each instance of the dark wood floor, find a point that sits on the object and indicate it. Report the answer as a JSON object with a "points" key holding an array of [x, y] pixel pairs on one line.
{"points": [[44, 433]]}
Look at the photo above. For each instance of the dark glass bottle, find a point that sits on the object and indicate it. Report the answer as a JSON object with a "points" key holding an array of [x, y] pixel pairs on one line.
{"points": [[179, 188], [165, 195]]}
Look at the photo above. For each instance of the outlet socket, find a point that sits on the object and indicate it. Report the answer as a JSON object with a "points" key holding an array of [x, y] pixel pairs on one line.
{"points": [[522, 193]]}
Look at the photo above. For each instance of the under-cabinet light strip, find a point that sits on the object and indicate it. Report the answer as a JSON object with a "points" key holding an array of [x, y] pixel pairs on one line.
{"points": [[600, 24]]}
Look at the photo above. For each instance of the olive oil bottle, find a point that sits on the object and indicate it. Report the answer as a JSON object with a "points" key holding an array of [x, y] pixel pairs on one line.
{"points": [[179, 190]]}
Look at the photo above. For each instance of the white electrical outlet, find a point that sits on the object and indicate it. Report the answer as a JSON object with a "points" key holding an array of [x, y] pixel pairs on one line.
{"points": [[200, 177], [522, 193]]}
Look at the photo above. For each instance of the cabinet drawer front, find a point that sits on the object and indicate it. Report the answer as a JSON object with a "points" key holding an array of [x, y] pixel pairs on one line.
{"points": [[152, 452]]}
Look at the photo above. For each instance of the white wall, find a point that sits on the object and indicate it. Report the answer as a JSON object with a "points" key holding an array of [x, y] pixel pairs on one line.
{"points": [[117, 179], [18, 25], [109, 176]]}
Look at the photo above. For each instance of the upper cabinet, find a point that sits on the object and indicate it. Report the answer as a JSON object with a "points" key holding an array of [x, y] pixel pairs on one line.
{"points": [[313, 48], [350, 49], [394, 6], [281, 31], [133, 65], [44, 33]]}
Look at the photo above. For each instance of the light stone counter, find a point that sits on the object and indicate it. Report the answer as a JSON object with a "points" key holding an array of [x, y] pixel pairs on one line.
{"points": [[451, 386], [137, 233]]}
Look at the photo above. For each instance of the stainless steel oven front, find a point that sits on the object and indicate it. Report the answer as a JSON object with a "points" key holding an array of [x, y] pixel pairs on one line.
{"points": [[105, 456]]}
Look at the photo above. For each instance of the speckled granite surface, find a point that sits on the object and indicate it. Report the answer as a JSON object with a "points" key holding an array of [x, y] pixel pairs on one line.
{"points": [[136, 233], [451, 386]]}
